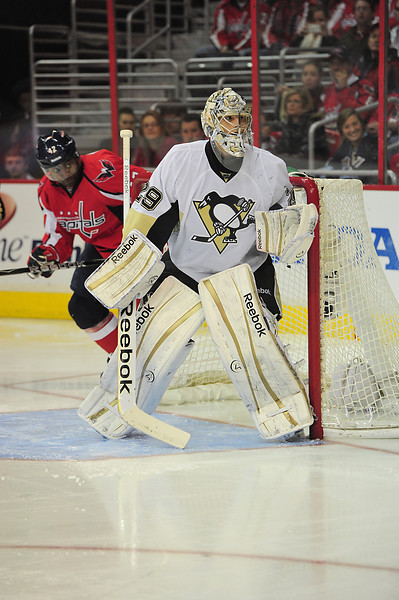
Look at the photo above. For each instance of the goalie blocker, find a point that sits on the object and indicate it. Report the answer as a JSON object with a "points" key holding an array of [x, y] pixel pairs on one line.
{"points": [[253, 357], [129, 272]]}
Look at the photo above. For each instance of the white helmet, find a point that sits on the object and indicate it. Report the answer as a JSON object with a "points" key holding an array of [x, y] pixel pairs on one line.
{"points": [[220, 105]]}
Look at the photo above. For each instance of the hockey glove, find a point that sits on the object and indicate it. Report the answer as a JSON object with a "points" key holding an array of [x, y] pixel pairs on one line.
{"points": [[43, 261], [286, 233]]}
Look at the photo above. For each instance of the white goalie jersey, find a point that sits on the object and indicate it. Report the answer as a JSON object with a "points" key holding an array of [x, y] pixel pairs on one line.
{"points": [[215, 220]]}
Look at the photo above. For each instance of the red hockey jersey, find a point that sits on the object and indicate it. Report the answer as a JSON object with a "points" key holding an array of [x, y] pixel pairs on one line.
{"points": [[232, 25], [94, 211], [358, 93]]}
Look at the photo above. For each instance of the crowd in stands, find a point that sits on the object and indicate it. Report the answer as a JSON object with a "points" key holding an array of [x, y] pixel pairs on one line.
{"points": [[17, 159], [347, 30]]}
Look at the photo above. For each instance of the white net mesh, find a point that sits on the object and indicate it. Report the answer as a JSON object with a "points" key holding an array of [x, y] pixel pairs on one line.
{"points": [[201, 376], [359, 331]]}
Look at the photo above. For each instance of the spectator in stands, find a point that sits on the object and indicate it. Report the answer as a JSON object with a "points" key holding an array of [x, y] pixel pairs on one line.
{"points": [[367, 65], [358, 150], [393, 26], [153, 141], [392, 131], [293, 146], [16, 165], [355, 38], [21, 124], [311, 78], [126, 120], [6, 113], [289, 20], [191, 128], [315, 32], [172, 112], [268, 135], [21, 95], [231, 32], [340, 16], [346, 90]]}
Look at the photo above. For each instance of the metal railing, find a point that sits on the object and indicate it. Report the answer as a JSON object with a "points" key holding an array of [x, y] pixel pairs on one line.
{"points": [[47, 41], [337, 172], [350, 173], [151, 23], [75, 94], [297, 56], [152, 33], [201, 76]]}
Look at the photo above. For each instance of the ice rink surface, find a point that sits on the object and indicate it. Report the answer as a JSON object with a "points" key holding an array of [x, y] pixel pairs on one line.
{"points": [[230, 517]]}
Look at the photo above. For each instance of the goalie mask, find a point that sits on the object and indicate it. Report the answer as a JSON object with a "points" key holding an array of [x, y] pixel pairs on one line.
{"points": [[226, 120]]}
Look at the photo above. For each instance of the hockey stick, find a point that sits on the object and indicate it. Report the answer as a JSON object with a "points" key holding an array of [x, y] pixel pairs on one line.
{"points": [[203, 238], [128, 408], [66, 265]]}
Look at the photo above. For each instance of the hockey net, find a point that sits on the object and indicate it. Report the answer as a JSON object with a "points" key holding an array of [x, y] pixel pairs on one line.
{"points": [[340, 325]]}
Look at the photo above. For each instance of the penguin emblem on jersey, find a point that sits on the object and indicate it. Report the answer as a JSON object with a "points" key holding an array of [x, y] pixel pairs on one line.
{"points": [[106, 172], [223, 217]]}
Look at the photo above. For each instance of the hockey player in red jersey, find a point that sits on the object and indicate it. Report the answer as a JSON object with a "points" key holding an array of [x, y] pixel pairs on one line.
{"points": [[82, 195]]}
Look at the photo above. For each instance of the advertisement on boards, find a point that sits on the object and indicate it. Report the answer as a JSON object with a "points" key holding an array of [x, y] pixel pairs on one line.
{"points": [[20, 234]]}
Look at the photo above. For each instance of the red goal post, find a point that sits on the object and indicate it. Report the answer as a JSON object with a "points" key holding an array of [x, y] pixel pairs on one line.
{"points": [[313, 298], [340, 324]]}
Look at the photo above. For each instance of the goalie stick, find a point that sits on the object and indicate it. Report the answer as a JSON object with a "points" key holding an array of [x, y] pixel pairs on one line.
{"points": [[128, 408], [55, 267]]}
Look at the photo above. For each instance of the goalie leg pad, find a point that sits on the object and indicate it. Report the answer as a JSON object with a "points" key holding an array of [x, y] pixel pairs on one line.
{"points": [[100, 408], [252, 356], [165, 326], [129, 271]]}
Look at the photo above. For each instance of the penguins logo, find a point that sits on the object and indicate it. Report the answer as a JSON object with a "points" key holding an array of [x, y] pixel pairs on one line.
{"points": [[222, 218], [106, 171]]}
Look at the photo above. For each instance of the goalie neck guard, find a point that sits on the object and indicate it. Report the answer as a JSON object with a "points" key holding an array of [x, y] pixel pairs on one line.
{"points": [[222, 104], [54, 149]]}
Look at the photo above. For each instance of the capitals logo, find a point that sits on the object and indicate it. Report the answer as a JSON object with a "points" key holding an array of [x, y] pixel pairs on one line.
{"points": [[223, 217], [106, 172], [86, 225]]}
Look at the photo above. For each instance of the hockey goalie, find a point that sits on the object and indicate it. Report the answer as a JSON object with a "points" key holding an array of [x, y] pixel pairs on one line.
{"points": [[223, 207]]}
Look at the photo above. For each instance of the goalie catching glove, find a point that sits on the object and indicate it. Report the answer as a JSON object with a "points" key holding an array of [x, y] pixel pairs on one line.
{"points": [[129, 272], [43, 261], [286, 233]]}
